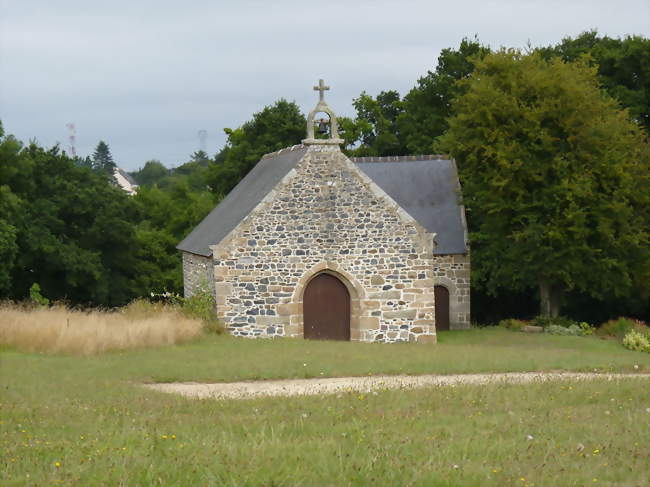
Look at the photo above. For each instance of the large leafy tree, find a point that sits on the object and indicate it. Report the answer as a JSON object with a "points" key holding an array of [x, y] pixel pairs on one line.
{"points": [[374, 131], [556, 179], [623, 67], [428, 105], [275, 127]]}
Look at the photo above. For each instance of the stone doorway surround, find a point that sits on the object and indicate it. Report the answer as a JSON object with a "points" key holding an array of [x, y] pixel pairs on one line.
{"points": [[295, 308], [326, 309]]}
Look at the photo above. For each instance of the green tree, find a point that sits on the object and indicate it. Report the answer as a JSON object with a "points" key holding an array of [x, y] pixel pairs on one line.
{"points": [[201, 158], [428, 105], [103, 159], [555, 179], [623, 67], [374, 131], [63, 227], [152, 172], [165, 217], [275, 127]]}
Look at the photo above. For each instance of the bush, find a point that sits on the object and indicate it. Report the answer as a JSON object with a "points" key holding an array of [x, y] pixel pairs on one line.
{"points": [[201, 306], [513, 324], [586, 328], [621, 326], [573, 330], [637, 341], [36, 297], [546, 321]]}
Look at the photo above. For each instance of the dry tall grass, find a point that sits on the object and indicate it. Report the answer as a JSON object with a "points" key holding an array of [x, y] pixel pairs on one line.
{"points": [[62, 330]]}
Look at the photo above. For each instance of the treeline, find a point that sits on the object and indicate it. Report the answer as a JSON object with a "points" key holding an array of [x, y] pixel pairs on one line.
{"points": [[551, 146], [67, 227]]}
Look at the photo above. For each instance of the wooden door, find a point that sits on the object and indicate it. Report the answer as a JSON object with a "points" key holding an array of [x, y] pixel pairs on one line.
{"points": [[326, 309], [442, 308]]}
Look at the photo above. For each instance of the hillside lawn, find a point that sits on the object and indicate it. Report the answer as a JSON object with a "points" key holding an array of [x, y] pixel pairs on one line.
{"points": [[71, 420]]}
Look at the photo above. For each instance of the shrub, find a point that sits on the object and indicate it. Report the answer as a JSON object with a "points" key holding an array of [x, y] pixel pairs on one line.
{"points": [[573, 330], [36, 297], [637, 341], [546, 321], [512, 324], [586, 328], [621, 326], [201, 306]]}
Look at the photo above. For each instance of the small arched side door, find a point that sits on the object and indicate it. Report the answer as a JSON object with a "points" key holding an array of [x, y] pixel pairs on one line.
{"points": [[442, 308]]}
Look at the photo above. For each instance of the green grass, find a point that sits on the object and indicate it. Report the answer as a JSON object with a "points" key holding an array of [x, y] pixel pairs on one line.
{"points": [[90, 415]]}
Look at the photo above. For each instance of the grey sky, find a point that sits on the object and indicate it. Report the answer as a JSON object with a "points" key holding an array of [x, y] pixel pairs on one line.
{"points": [[146, 76]]}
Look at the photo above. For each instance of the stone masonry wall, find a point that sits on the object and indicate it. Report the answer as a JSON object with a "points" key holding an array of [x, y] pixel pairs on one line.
{"points": [[327, 216], [197, 272], [453, 272]]}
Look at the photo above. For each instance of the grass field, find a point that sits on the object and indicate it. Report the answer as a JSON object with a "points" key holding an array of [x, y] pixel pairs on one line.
{"points": [[85, 420]]}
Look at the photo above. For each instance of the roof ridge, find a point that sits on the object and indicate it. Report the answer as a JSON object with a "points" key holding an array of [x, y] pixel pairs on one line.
{"points": [[283, 150], [423, 157]]}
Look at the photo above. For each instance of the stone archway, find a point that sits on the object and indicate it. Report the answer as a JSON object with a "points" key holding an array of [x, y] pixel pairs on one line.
{"points": [[294, 309], [326, 309]]}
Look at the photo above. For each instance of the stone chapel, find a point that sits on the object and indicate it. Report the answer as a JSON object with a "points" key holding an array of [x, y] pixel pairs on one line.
{"points": [[317, 245]]}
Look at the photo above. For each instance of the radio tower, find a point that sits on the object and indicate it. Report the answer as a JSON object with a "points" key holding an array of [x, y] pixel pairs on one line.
{"points": [[72, 138], [203, 135]]}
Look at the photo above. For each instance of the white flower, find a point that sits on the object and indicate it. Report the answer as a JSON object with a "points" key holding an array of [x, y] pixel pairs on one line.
{"points": [[636, 367], [455, 466], [647, 410], [529, 437]]}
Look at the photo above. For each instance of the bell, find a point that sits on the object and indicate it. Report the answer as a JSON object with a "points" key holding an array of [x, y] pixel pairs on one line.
{"points": [[322, 127]]}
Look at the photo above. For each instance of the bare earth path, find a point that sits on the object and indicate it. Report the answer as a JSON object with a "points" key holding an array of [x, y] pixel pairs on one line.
{"points": [[296, 387]]}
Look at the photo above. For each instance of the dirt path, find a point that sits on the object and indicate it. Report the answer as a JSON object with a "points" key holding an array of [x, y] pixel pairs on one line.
{"points": [[296, 387]]}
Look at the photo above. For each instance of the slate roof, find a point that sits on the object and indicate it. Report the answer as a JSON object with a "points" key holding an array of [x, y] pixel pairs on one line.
{"points": [[241, 200], [425, 186]]}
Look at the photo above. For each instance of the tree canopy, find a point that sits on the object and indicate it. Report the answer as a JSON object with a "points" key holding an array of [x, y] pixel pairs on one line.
{"points": [[275, 127], [623, 67], [554, 173], [63, 227], [102, 161], [555, 179]]}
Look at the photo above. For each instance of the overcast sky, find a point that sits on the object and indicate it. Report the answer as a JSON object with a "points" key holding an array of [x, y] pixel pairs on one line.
{"points": [[147, 76]]}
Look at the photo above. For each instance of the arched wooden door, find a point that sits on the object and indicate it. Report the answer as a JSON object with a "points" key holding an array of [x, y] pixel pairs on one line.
{"points": [[326, 309], [442, 308]]}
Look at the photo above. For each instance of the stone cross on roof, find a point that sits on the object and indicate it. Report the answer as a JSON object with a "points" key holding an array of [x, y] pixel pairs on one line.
{"points": [[322, 88], [321, 106]]}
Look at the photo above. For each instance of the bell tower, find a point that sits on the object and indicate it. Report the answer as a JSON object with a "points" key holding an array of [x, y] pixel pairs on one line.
{"points": [[322, 107]]}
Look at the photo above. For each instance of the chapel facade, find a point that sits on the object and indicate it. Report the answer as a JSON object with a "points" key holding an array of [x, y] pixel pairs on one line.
{"points": [[317, 245]]}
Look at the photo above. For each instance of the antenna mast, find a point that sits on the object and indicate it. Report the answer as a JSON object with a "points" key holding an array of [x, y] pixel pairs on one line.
{"points": [[72, 138], [203, 135]]}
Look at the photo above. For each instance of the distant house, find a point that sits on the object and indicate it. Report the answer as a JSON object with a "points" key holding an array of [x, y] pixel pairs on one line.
{"points": [[125, 181], [313, 244]]}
